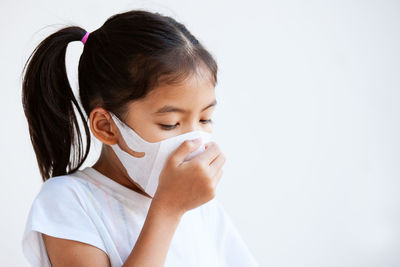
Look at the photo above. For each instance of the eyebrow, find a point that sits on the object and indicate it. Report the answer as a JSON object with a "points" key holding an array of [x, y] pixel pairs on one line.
{"points": [[168, 108]]}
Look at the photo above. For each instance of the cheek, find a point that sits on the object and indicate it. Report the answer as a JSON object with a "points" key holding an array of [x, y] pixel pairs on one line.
{"points": [[148, 128], [208, 127], [151, 132], [156, 134]]}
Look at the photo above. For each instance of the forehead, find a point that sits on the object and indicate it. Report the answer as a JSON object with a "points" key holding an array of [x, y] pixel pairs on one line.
{"points": [[196, 90]]}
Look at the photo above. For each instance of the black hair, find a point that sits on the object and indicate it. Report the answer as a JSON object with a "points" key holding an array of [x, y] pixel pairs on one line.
{"points": [[124, 59]]}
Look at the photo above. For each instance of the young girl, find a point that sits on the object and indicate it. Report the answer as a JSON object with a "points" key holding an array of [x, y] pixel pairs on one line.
{"points": [[147, 88]]}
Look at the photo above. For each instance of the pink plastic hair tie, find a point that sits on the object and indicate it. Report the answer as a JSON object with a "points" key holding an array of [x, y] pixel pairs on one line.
{"points": [[85, 37]]}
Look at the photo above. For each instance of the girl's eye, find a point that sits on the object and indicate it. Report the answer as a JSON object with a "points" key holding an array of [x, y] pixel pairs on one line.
{"points": [[207, 121], [170, 127]]}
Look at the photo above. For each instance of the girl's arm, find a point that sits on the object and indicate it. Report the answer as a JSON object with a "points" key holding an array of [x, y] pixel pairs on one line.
{"points": [[65, 252], [154, 240]]}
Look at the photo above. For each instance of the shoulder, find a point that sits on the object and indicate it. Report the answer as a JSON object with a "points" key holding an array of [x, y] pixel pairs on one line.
{"points": [[62, 188], [61, 197], [62, 183], [61, 200], [61, 209]]}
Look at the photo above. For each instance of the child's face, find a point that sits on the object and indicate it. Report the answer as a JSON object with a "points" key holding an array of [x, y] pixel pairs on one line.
{"points": [[156, 117], [195, 99]]}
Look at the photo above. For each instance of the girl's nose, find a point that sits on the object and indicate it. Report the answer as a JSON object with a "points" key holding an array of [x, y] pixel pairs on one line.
{"points": [[193, 126]]}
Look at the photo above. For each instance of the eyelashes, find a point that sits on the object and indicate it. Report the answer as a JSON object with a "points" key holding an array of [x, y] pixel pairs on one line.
{"points": [[171, 127]]}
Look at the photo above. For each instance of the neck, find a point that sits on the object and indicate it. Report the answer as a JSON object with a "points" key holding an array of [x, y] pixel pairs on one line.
{"points": [[109, 165]]}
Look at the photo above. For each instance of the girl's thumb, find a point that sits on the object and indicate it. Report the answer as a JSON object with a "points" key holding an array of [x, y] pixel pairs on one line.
{"points": [[187, 147]]}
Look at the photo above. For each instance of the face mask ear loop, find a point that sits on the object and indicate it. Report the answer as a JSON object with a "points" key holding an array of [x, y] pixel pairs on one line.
{"points": [[118, 121]]}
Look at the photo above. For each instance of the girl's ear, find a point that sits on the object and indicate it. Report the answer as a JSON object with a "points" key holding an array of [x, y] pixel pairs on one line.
{"points": [[103, 127]]}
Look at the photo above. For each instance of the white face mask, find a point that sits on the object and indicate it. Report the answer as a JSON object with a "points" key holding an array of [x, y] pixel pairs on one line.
{"points": [[146, 170]]}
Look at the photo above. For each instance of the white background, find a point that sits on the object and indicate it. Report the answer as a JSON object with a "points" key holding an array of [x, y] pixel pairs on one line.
{"points": [[308, 117]]}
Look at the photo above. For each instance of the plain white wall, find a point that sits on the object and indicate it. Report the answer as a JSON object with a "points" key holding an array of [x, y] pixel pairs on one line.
{"points": [[308, 117]]}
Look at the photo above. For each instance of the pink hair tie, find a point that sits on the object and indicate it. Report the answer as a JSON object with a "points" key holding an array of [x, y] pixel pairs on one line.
{"points": [[85, 37]]}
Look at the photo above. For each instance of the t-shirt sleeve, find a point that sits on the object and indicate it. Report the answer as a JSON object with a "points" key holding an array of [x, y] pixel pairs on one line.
{"points": [[232, 248], [58, 210]]}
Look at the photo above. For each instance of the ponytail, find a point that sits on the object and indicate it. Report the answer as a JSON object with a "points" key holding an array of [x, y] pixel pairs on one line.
{"points": [[48, 103]]}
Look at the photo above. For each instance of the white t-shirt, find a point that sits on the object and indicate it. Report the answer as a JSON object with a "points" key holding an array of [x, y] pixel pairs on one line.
{"points": [[89, 207]]}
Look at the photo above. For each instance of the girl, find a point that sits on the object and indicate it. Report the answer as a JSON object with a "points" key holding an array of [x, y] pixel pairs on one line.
{"points": [[147, 88]]}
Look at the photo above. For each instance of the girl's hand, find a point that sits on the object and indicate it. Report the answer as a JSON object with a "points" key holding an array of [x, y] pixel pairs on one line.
{"points": [[184, 185]]}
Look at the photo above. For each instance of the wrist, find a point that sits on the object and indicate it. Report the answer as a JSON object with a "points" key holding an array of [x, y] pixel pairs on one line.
{"points": [[164, 209]]}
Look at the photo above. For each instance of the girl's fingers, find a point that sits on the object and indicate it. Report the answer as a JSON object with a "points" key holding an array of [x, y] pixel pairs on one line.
{"points": [[217, 164], [208, 155]]}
